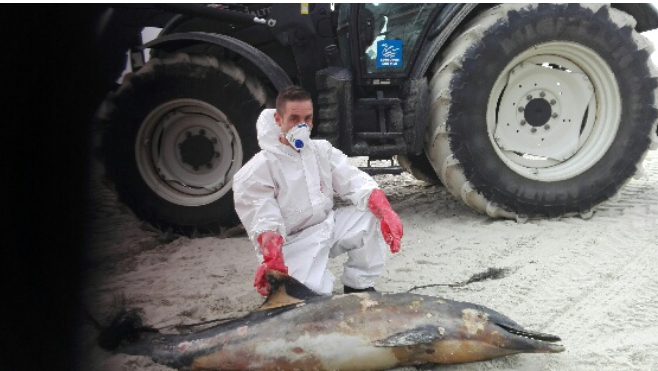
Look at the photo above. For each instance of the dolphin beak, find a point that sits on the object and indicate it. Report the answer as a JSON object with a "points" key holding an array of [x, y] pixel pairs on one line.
{"points": [[530, 341]]}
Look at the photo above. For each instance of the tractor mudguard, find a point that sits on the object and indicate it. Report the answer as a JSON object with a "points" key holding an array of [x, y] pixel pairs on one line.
{"points": [[261, 60]]}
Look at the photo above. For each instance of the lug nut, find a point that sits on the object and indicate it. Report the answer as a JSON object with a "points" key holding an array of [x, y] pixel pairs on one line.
{"points": [[521, 109], [209, 165], [528, 97], [547, 126], [533, 130], [188, 134], [522, 122], [213, 140], [202, 132], [216, 154], [553, 101], [195, 168], [542, 94], [554, 115]]}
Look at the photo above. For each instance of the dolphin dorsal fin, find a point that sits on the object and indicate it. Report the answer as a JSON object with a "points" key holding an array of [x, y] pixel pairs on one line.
{"points": [[285, 290]]}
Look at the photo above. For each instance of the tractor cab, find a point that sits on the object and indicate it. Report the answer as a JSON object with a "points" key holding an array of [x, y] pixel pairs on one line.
{"points": [[379, 45]]}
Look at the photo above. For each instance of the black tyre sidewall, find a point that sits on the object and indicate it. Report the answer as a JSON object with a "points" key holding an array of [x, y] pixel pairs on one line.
{"points": [[421, 168], [147, 91], [472, 85]]}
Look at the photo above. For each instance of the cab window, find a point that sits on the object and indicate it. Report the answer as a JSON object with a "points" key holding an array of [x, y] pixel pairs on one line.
{"points": [[391, 33]]}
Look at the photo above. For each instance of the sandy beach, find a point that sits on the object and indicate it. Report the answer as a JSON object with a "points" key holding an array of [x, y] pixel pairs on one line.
{"points": [[592, 282]]}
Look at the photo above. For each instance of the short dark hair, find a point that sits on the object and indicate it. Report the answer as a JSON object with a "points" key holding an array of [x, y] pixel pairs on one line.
{"points": [[291, 93]]}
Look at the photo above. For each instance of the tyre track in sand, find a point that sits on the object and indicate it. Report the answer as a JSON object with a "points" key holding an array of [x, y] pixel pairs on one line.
{"points": [[620, 301], [598, 292], [603, 288], [594, 294]]}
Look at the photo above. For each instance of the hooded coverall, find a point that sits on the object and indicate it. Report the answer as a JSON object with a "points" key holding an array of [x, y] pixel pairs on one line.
{"points": [[292, 193]]}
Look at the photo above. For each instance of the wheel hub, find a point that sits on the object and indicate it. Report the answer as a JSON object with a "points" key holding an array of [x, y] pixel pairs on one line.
{"points": [[188, 151], [537, 112], [552, 101], [197, 150]]}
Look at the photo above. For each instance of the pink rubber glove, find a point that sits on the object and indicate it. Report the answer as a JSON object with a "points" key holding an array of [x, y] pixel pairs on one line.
{"points": [[390, 221], [270, 244]]}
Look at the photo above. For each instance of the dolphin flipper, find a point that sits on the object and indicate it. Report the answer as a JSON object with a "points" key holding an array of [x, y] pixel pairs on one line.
{"points": [[418, 335]]}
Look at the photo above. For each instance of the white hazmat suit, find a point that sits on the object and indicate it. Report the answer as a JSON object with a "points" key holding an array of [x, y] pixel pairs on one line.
{"points": [[292, 193]]}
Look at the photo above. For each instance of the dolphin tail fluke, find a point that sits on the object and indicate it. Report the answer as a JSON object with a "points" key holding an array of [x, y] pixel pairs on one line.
{"points": [[125, 328]]}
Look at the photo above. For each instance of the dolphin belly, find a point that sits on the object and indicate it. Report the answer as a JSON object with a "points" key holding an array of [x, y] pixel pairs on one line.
{"points": [[331, 351]]}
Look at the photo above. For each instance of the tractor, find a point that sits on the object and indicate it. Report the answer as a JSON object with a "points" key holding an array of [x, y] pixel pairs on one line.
{"points": [[519, 110]]}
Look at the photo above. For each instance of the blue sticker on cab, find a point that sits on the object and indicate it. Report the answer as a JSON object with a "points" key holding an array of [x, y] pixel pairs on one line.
{"points": [[389, 53]]}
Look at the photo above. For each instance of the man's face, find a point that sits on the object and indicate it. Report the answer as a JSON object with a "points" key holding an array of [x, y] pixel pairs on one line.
{"points": [[294, 113]]}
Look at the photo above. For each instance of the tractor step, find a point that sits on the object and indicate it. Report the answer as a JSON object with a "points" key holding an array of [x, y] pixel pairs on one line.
{"points": [[378, 170], [395, 170]]}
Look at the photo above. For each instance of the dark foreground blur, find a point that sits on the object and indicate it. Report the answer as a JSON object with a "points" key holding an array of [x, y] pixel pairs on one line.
{"points": [[53, 74]]}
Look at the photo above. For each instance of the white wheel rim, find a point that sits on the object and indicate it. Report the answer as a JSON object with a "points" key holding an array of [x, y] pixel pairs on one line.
{"points": [[187, 152], [579, 92]]}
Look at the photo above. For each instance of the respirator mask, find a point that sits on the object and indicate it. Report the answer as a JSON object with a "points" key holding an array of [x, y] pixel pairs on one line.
{"points": [[298, 136]]}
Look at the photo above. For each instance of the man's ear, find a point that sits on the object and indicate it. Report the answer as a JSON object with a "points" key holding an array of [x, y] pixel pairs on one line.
{"points": [[277, 118]]}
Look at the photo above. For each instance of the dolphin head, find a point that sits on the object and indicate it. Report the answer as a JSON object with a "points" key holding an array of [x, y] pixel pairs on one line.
{"points": [[511, 335], [476, 333], [502, 336]]}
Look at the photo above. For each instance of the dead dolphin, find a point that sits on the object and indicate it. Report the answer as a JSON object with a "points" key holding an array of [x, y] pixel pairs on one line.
{"points": [[296, 329]]}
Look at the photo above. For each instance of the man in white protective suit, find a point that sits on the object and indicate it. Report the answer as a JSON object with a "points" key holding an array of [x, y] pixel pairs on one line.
{"points": [[284, 197]]}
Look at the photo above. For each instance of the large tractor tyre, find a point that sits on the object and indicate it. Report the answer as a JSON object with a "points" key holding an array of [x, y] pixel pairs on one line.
{"points": [[180, 128], [542, 110]]}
